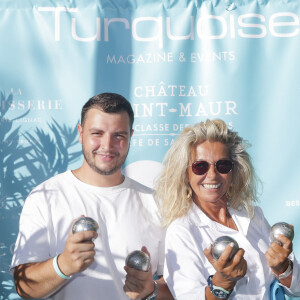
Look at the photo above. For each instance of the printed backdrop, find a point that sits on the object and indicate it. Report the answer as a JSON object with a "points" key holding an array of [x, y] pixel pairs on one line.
{"points": [[178, 62]]}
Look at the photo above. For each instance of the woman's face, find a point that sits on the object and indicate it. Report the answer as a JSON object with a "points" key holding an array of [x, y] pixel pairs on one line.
{"points": [[212, 186]]}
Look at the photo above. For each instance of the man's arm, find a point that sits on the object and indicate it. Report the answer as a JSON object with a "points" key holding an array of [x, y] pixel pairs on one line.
{"points": [[37, 280], [40, 280], [163, 290]]}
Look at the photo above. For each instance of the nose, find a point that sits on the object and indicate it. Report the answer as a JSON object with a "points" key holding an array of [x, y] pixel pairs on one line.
{"points": [[211, 170], [106, 142]]}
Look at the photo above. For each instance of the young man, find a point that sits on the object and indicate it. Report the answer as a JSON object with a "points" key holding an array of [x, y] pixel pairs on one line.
{"points": [[50, 261]]}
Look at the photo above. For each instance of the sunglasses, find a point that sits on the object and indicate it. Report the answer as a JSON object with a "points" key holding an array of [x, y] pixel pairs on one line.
{"points": [[223, 166]]}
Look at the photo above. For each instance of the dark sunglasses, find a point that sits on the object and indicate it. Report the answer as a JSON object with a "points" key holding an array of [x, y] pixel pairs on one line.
{"points": [[200, 167]]}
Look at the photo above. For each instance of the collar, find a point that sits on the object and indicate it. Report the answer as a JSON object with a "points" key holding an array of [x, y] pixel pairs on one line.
{"points": [[199, 219]]}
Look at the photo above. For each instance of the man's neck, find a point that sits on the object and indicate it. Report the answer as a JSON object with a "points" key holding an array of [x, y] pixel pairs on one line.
{"points": [[91, 177]]}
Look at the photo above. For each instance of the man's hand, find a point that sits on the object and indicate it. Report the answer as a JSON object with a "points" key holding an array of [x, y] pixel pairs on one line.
{"points": [[39, 280], [79, 252], [138, 284]]}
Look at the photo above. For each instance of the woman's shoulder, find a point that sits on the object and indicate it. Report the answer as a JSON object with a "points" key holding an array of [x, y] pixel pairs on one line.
{"points": [[187, 221], [242, 211]]}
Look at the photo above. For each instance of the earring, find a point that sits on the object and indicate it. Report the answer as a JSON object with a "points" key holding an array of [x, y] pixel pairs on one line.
{"points": [[189, 193], [229, 193]]}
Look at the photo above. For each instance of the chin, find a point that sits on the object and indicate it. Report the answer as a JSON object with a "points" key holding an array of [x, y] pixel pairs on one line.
{"points": [[213, 200]]}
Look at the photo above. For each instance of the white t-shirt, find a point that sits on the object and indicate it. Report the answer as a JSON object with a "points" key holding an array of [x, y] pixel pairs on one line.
{"points": [[187, 269], [128, 219]]}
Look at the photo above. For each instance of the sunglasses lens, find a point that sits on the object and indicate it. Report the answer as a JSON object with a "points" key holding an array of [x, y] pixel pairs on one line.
{"points": [[224, 166], [200, 167]]}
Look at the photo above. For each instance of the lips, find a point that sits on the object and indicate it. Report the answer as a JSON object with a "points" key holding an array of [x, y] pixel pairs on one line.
{"points": [[106, 155]]}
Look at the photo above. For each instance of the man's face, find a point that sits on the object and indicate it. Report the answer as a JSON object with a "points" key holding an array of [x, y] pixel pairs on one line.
{"points": [[105, 140]]}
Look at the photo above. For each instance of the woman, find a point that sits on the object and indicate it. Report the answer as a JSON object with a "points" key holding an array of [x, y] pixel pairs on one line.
{"points": [[208, 189]]}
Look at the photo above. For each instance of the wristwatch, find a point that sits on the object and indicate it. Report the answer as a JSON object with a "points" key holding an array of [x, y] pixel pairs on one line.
{"points": [[216, 290], [154, 294]]}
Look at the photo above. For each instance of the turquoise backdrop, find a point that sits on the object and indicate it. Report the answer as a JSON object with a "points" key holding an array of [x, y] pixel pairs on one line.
{"points": [[177, 61]]}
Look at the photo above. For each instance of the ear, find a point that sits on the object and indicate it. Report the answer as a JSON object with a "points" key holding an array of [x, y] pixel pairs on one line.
{"points": [[131, 133], [79, 128]]}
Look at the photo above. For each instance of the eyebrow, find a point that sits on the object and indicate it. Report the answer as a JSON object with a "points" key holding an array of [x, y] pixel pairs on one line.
{"points": [[122, 132], [101, 130]]}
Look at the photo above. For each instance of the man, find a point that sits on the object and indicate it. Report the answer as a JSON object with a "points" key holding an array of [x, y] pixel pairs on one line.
{"points": [[50, 261]]}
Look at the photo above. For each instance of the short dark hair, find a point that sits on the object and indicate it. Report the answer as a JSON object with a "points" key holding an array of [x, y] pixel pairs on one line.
{"points": [[108, 103]]}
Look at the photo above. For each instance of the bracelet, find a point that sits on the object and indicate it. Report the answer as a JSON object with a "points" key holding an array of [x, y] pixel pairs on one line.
{"points": [[286, 273], [58, 271], [154, 294]]}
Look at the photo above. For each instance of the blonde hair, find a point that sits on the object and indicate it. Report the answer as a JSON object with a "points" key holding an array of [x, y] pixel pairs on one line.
{"points": [[173, 191]]}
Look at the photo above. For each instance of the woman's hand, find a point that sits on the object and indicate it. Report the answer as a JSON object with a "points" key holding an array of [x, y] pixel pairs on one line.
{"points": [[277, 255], [228, 272]]}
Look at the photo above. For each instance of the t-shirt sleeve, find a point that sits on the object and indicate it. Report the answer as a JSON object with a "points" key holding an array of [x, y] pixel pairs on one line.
{"points": [[32, 244]]}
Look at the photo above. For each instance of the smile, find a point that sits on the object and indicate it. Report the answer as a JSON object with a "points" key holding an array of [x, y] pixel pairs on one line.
{"points": [[211, 186]]}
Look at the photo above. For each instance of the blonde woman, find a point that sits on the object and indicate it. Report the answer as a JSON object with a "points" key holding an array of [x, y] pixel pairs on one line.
{"points": [[208, 189]]}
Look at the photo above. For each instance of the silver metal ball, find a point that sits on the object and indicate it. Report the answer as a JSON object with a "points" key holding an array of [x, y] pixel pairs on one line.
{"points": [[138, 260], [220, 244], [85, 224], [281, 228]]}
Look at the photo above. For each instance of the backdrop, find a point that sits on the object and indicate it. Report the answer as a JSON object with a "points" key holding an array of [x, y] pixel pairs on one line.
{"points": [[178, 62]]}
